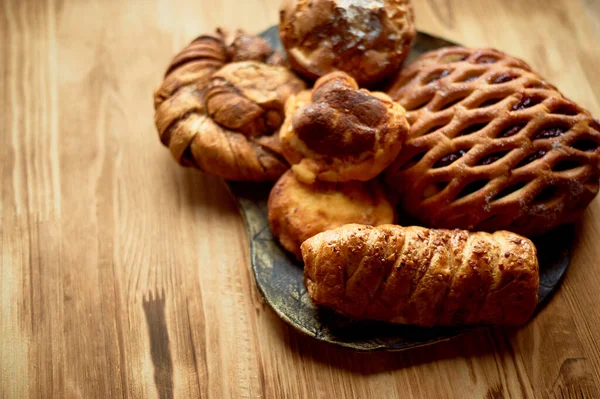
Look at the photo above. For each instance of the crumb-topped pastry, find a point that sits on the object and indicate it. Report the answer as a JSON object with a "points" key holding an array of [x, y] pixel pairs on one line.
{"points": [[369, 39], [298, 211], [426, 277], [492, 145], [339, 132], [221, 104]]}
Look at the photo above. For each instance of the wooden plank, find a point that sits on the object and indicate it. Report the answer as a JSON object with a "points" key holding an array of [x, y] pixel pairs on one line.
{"points": [[124, 275]]}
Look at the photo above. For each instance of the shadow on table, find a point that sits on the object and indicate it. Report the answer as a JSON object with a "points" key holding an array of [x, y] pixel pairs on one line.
{"points": [[475, 343], [200, 190]]}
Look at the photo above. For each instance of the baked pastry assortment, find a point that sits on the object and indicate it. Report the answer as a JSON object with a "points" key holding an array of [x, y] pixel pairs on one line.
{"points": [[468, 139], [339, 133], [298, 211], [221, 104], [492, 145], [426, 277], [369, 39]]}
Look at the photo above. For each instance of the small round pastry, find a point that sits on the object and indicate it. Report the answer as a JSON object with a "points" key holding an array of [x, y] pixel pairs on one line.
{"points": [[298, 211], [492, 146], [340, 133], [221, 104], [369, 39]]}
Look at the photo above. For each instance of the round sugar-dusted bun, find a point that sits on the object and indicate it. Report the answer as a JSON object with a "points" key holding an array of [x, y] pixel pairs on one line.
{"points": [[369, 39], [221, 104], [339, 132], [492, 145], [298, 211]]}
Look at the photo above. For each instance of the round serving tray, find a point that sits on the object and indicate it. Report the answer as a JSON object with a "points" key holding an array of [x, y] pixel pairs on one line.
{"points": [[279, 276]]}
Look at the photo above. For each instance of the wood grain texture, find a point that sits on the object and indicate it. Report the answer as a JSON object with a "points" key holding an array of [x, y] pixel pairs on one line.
{"points": [[124, 275]]}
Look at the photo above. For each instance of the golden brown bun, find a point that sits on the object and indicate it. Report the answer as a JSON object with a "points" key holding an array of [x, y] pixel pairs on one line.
{"points": [[369, 39], [492, 145], [220, 104], [340, 133], [414, 275], [298, 211]]}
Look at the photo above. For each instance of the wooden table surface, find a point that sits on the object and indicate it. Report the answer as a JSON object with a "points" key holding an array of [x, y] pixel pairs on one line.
{"points": [[122, 274]]}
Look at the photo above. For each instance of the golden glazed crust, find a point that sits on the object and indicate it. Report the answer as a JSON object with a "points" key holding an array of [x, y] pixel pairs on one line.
{"points": [[220, 104], [426, 277], [340, 133], [492, 145], [298, 211], [369, 39]]}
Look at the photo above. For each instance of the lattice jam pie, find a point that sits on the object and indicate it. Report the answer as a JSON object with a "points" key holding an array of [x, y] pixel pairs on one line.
{"points": [[492, 145]]}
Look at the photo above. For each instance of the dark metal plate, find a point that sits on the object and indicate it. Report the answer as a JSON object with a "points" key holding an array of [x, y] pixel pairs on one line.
{"points": [[279, 276]]}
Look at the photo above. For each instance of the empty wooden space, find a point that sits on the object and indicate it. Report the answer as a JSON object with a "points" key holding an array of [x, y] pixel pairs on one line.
{"points": [[124, 275]]}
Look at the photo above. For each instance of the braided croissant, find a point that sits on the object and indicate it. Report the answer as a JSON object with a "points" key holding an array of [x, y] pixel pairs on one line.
{"points": [[220, 103], [414, 275]]}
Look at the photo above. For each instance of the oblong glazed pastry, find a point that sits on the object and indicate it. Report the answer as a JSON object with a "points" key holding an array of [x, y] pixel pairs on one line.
{"points": [[426, 277], [298, 211], [220, 104], [369, 39], [339, 132], [492, 145]]}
